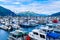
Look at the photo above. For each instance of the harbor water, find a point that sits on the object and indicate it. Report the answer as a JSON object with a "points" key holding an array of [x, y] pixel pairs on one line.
{"points": [[4, 34]]}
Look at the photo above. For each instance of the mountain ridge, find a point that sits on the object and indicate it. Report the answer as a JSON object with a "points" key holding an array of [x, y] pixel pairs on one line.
{"points": [[27, 13], [56, 14], [6, 12]]}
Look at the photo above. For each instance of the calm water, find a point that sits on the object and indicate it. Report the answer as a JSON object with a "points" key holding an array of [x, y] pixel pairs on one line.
{"points": [[4, 34], [30, 29]]}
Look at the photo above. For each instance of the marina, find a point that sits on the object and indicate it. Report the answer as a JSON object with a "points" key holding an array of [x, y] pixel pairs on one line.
{"points": [[29, 19], [40, 31]]}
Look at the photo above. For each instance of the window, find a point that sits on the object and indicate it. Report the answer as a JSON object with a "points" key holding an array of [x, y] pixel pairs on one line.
{"points": [[44, 30], [35, 33], [14, 36], [42, 36]]}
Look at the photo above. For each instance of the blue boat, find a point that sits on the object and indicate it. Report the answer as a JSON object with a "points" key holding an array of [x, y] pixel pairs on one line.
{"points": [[53, 35]]}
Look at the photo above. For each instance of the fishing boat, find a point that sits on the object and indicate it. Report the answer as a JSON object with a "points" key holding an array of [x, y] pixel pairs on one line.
{"points": [[17, 35], [15, 26], [37, 34], [56, 27], [52, 33], [53, 36], [27, 25], [6, 27], [46, 29], [46, 32]]}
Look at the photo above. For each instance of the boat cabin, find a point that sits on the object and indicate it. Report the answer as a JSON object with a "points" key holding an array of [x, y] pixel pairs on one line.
{"points": [[37, 35]]}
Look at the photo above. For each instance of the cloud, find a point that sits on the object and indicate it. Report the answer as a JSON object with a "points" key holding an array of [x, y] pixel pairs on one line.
{"points": [[16, 3], [43, 8], [4, 0], [25, 0]]}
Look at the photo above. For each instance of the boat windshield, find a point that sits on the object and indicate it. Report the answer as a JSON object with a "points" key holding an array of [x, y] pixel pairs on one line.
{"points": [[35, 33], [16, 36], [42, 36]]}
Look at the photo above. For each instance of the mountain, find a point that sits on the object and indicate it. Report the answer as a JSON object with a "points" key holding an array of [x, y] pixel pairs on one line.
{"points": [[30, 14], [56, 14], [6, 12]]}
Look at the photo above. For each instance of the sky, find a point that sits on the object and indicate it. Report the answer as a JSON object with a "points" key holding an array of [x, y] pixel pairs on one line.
{"points": [[37, 6]]}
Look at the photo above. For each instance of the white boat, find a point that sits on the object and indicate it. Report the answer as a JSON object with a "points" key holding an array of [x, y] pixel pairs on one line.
{"points": [[7, 28], [17, 35], [54, 26], [52, 33], [29, 24], [37, 34], [15, 26], [40, 33], [46, 29]]}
